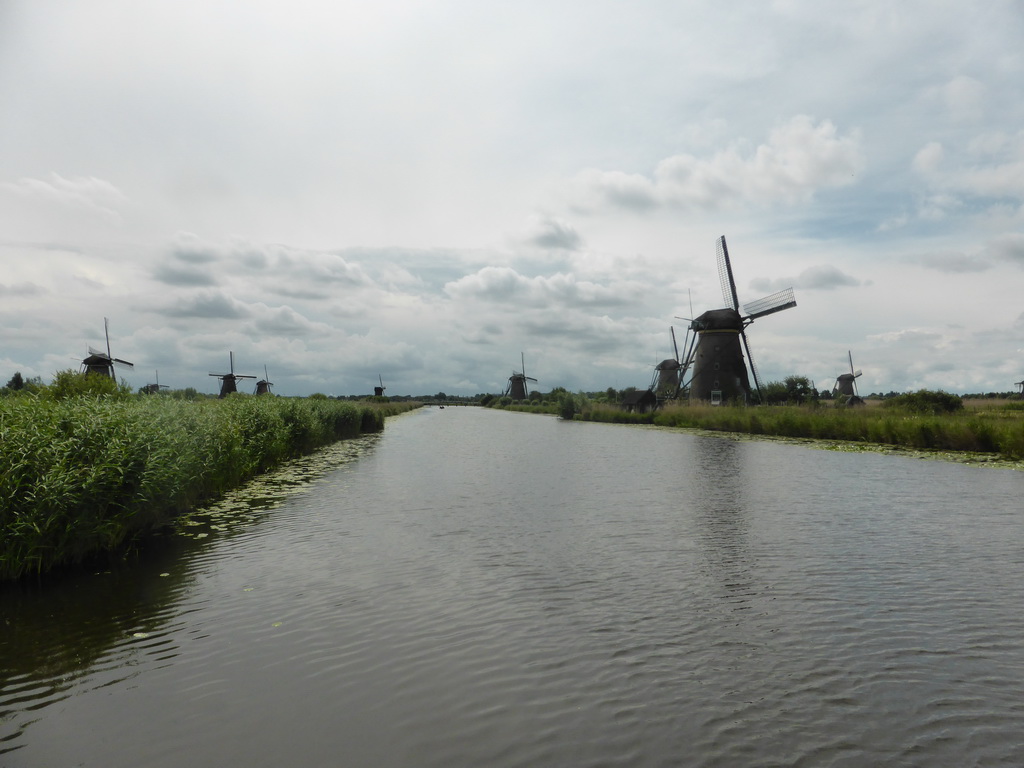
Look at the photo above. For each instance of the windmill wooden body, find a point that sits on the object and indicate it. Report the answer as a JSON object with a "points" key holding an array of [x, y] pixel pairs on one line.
{"points": [[101, 362], [719, 367], [229, 381], [517, 387], [846, 384]]}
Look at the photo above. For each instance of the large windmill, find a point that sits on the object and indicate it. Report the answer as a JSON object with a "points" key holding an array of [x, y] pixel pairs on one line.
{"points": [[102, 362], [517, 388], [263, 385], [719, 368], [846, 384], [228, 380]]}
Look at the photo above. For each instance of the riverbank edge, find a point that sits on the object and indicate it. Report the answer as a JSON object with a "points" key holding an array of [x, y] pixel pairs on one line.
{"points": [[991, 438], [87, 479]]}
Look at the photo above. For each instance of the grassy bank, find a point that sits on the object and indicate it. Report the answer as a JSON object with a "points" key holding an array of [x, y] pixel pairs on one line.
{"points": [[996, 430], [86, 475]]}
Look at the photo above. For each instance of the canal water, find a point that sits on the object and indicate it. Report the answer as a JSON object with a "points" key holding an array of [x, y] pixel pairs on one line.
{"points": [[481, 588]]}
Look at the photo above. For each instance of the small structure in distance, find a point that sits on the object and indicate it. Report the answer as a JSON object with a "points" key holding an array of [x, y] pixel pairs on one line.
{"points": [[846, 384], [152, 389], [229, 381], [517, 388], [103, 362], [263, 385]]}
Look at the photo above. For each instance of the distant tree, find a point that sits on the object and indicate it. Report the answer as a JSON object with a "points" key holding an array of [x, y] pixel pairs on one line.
{"points": [[774, 393], [567, 406], [318, 396], [487, 400], [17, 382], [926, 401], [798, 389], [440, 396]]}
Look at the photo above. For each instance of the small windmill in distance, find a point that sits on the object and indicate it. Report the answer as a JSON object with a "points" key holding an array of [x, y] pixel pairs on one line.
{"points": [[263, 385], [103, 363], [152, 389], [846, 384], [379, 391], [667, 379], [228, 381], [517, 388]]}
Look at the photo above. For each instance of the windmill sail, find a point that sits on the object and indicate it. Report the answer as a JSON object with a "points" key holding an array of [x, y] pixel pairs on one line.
{"points": [[769, 305]]}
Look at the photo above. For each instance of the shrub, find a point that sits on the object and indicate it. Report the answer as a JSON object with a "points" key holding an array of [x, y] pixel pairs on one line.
{"points": [[926, 401], [68, 384]]}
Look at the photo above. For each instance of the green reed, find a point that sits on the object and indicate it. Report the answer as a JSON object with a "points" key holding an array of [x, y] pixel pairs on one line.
{"points": [[998, 431], [86, 475]]}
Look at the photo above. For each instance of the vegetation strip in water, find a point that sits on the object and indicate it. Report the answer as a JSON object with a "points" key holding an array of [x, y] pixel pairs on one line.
{"points": [[86, 475]]}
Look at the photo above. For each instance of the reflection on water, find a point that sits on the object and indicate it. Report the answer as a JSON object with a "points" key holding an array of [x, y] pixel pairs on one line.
{"points": [[481, 588]]}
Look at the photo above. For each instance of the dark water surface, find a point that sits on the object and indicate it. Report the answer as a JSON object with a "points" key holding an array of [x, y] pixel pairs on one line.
{"points": [[479, 588]]}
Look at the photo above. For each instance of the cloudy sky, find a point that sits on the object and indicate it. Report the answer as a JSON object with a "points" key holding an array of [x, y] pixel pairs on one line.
{"points": [[425, 190]]}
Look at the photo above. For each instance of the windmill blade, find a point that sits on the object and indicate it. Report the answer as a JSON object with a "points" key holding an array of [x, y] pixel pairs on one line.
{"points": [[675, 347], [857, 373], [776, 302], [125, 363], [529, 378], [106, 332], [98, 353], [231, 361], [753, 366], [725, 275], [849, 354]]}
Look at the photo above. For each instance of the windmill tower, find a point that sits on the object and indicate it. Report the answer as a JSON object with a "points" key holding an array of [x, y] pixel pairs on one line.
{"points": [[517, 388], [1020, 384], [719, 368], [667, 379], [152, 389], [228, 381], [102, 362], [263, 385], [846, 384], [379, 391]]}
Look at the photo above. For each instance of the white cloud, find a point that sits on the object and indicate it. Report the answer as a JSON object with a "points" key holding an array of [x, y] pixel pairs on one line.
{"points": [[928, 159], [85, 193], [798, 159]]}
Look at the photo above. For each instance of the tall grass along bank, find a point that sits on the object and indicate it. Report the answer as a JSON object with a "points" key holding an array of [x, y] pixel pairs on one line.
{"points": [[86, 475], [998, 431]]}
